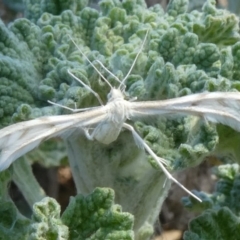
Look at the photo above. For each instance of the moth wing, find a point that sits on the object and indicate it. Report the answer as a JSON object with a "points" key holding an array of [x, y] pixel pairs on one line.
{"points": [[20, 138], [217, 107]]}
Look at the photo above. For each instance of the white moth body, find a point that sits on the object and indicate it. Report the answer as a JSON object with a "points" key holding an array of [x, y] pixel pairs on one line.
{"points": [[117, 110]]}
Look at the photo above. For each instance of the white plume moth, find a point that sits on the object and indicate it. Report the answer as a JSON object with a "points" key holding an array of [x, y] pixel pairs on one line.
{"points": [[108, 120]]}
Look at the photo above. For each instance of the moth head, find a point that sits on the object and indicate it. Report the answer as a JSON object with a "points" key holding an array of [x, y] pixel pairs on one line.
{"points": [[114, 94]]}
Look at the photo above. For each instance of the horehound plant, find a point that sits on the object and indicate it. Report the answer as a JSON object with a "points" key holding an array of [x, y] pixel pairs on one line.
{"points": [[185, 53]]}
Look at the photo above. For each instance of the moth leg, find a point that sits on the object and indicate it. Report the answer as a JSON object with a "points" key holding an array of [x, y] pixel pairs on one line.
{"points": [[141, 144], [159, 160], [88, 135], [71, 109]]}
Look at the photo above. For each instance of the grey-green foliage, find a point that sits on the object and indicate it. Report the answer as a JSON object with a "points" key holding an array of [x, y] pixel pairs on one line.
{"points": [[185, 53], [92, 217], [46, 223], [226, 193], [12, 225], [219, 224], [51, 153], [227, 189], [220, 220], [96, 217]]}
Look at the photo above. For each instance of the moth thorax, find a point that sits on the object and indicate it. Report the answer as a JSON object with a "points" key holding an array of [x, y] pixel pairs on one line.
{"points": [[118, 111]]}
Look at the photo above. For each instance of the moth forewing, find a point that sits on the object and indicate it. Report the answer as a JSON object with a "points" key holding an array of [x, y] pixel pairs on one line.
{"points": [[217, 107], [20, 138]]}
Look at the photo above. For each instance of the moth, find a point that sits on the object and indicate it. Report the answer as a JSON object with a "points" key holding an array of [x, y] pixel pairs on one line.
{"points": [[108, 120]]}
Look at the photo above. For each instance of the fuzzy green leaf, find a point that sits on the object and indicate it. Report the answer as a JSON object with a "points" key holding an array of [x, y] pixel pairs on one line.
{"points": [[221, 224], [97, 217]]}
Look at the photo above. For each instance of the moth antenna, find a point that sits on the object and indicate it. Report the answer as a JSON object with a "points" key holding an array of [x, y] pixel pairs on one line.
{"points": [[130, 70], [109, 71], [87, 87], [90, 62], [71, 109]]}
